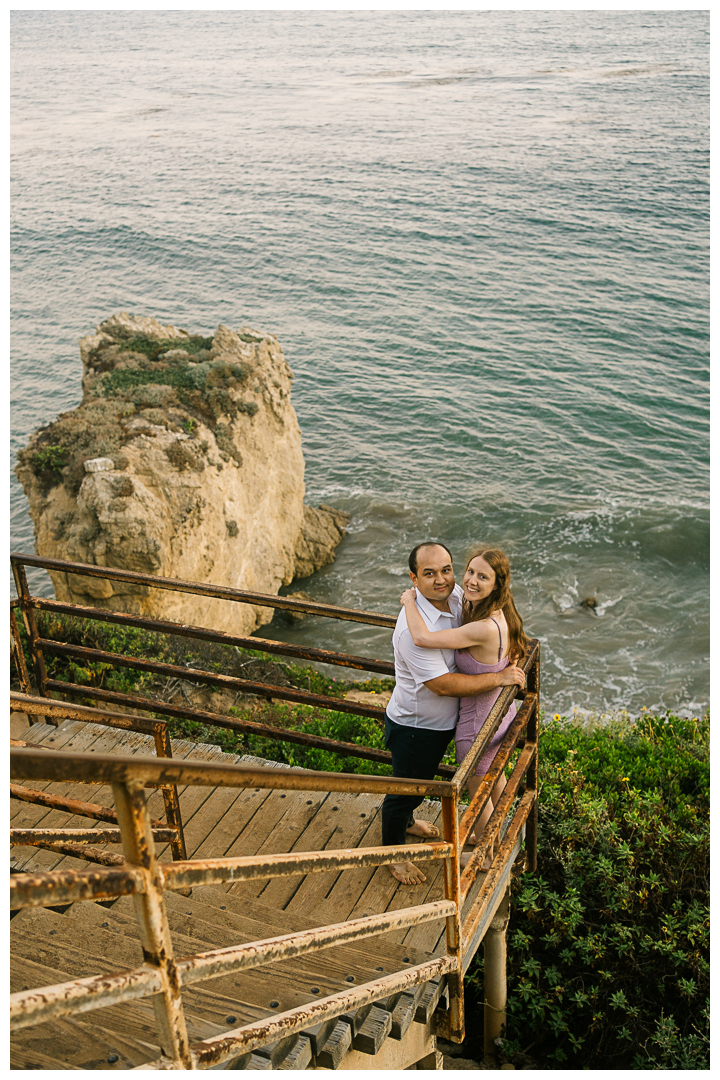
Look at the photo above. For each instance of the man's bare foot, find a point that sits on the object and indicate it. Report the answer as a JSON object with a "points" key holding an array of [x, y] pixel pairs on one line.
{"points": [[423, 828], [407, 873]]}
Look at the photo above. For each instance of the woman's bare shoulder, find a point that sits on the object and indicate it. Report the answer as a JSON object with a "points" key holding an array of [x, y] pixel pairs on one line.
{"points": [[488, 626]]}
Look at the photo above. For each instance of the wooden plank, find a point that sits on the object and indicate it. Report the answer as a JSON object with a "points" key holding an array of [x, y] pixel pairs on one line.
{"points": [[247, 995], [101, 739], [27, 1057], [403, 1011], [46, 736], [299, 1057], [284, 817], [92, 737], [134, 1019], [349, 886], [43, 860], [373, 1032], [216, 825], [81, 1044], [336, 969], [341, 822], [336, 1046]]}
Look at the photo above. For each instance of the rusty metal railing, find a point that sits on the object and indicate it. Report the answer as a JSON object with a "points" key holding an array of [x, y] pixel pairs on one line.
{"points": [[466, 908], [67, 841], [40, 646], [142, 876]]}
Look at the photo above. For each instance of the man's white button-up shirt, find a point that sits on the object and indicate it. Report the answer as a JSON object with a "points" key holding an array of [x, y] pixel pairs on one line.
{"points": [[412, 704]]}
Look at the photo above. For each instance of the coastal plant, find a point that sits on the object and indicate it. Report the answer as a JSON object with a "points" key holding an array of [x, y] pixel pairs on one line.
{"points": [[608, 941], [152, 347], [49, 460]]}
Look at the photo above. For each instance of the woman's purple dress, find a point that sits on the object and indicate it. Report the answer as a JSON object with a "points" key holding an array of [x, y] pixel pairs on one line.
{"points": [[474, 711]]}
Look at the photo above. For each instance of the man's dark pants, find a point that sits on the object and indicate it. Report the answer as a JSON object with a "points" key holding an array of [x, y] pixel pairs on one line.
{"points": [[416, 752]]}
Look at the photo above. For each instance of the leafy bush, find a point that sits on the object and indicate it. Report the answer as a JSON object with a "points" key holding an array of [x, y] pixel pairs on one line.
{"points": [[49, 460], [153, 347], [608, 940]]}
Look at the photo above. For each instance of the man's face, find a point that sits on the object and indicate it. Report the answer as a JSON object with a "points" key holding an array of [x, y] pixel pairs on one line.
{"points": [[434, 578]]}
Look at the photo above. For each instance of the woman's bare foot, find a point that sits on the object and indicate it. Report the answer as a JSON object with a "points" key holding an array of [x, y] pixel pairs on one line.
{"points": [[466, 856], [423, 828], [407, 873]]}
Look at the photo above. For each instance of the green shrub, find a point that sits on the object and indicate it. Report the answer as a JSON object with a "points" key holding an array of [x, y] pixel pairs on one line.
{"points": [[49, 460], [153, 347], [608, 940]]}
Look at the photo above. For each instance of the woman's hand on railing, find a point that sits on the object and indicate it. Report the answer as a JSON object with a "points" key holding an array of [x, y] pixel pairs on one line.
{"points": [[512, 676]]}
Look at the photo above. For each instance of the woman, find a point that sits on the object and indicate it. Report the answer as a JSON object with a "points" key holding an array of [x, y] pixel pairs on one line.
{"points": [[489, 640]]}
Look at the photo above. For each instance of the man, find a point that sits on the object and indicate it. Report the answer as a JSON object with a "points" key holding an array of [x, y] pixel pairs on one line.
{"points": [[422, 713]]}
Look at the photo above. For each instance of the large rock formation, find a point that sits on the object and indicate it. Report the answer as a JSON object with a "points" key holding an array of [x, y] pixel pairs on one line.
{"points": [[183, 460]]}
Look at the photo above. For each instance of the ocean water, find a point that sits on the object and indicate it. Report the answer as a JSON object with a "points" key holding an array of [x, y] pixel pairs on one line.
{"points": [[482, 240]]}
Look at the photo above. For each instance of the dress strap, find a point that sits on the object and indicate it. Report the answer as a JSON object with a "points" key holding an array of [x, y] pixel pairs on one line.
{"points": [[500, 633]]}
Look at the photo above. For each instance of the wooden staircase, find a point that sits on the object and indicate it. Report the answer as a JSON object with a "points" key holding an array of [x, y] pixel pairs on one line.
{"points": [[53, 946]]}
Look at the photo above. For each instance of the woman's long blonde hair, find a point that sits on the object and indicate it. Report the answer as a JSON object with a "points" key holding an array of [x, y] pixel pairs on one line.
{"points": [[500, 597]]}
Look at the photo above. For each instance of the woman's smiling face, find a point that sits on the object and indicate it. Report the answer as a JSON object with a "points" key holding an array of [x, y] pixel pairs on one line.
{"points": [[478, 580]]}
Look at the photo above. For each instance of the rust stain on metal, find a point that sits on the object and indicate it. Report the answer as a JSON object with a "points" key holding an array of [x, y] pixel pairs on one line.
{"points": [[520, 816], [81, 995], [18, 654], [80, 836], [220, 592], [494, 824], [227, 682], [250, 867], [301, 738], [71, 806], [163, 626], [64, 710], [494, 718], [501, 759], [104, 768], [82, 851], [258, 953], [67, 886]]}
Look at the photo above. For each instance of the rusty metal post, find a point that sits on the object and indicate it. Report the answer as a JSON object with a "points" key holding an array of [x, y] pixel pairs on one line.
{"points": [[28, 613], [173, 816], [18, 655], [495, 943], [533, 730], [139, 851], [453, 932]]}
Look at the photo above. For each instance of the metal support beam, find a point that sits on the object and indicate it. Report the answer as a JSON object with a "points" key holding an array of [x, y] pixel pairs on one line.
{"points": [[496, 976], [139, 851], [452, 923]]}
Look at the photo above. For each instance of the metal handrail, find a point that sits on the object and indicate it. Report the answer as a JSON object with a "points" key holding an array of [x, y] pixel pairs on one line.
{"points": [[219, 592]]}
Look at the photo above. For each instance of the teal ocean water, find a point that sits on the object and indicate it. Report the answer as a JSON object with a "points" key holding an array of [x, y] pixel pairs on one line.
{"points": [[482, 240]]}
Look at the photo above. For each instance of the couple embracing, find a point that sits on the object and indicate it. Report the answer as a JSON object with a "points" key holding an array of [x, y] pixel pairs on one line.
{"points": [[454, 650]]}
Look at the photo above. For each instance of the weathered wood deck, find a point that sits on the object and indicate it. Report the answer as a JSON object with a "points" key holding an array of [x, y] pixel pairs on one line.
{"points": [[51, 947]]}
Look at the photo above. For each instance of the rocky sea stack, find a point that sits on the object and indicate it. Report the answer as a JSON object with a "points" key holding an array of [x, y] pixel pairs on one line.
{"points": [[184, 459]]}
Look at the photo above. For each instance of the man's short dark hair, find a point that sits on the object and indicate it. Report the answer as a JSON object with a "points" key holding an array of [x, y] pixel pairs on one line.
{"points": [[412, 557]]}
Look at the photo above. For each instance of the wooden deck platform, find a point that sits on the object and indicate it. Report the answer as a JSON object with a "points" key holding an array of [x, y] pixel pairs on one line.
{"points": [[53, 946]]}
